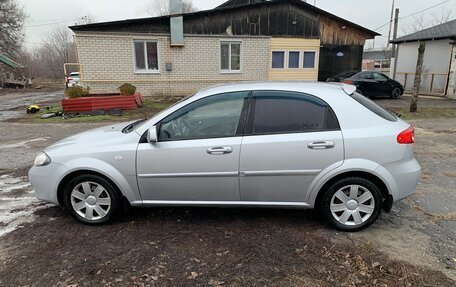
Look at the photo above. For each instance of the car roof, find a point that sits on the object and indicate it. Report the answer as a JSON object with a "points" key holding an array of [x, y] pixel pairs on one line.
{"points": [[313, 88], [74, 73]]}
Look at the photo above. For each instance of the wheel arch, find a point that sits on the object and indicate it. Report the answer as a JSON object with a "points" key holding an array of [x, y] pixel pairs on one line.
{"points": [[67, 178], [386, 195]]}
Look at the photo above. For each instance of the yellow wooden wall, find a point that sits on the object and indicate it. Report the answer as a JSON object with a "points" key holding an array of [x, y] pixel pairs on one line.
{"points": [[294, 44]]}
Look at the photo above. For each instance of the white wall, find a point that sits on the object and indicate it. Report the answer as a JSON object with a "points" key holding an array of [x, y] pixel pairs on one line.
{"points": [[436, 61]]}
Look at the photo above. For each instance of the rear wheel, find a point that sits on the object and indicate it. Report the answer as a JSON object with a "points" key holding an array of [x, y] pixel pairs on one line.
{"points": [[352, 204], [395, 93], [91, 199]]}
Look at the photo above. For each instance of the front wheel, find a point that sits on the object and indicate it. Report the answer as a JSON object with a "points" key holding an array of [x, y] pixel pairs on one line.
{"points": [[352, 204], [91, 199], [395, 93]]}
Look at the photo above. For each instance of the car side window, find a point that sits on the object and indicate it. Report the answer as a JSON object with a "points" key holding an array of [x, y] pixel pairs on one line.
{"points": [[290, 112], [379, 77], [211, 117], [367, 76]]}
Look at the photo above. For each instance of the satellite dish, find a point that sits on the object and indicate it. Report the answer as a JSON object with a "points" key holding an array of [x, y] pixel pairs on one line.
{"points": [[340, 54]]}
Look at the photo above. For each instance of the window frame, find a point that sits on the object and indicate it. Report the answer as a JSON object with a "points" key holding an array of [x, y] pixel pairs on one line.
{"points": [[240, 129], [146, 70], [230, 42], [299, 59], [284, 59], [251, 115], [315, 59]]}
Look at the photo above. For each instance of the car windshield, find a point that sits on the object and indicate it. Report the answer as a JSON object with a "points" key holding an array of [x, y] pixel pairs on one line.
{"points": [[74, 75], [131, 127]]}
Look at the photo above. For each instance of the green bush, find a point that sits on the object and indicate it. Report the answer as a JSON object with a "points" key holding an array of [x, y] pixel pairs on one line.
{"points": [[77, 91], [127, 89]]}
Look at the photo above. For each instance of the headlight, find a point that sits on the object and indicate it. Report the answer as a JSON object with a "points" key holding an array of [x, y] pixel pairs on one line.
{"points": [[42, 159]]}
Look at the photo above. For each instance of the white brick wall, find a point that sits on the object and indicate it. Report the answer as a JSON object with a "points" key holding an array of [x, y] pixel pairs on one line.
{"points": [[107, 61]]}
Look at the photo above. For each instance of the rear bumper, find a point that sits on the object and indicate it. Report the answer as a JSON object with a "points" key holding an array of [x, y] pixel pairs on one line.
{"points": [[406, 175]]}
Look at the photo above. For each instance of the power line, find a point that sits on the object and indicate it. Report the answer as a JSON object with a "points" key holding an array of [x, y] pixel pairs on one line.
{"points": [[54, 23], [415, 13]]}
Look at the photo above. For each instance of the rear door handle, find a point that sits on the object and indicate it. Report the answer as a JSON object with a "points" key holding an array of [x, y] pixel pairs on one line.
{"points": [[321, 145], [219, 150]]}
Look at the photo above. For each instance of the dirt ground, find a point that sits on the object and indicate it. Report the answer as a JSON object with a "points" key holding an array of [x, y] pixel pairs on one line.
{"points": [[42, 245]]}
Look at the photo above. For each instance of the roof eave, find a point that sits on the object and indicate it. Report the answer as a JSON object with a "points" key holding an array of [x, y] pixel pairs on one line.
{"points": [[399, 40], [86, 27]]}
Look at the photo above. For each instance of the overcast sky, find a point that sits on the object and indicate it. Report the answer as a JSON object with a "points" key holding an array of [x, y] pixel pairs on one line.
{"points": [[47, 14]]}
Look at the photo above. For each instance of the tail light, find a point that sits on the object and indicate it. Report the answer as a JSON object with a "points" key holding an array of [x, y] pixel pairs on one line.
{"points": [[69, 79], [347, 81], [407, 136]]}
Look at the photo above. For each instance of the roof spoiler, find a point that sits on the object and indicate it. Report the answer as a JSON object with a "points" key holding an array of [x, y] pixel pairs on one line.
{"points": [[348, 89]]}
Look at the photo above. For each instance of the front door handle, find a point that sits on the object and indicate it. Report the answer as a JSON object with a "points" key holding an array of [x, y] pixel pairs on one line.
{"points": [[220, 150], [321, 145]]}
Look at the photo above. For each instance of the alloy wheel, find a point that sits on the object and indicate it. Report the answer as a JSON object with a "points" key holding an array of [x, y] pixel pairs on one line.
{"points": [[90, 200], [352, 205], [396, 93]]}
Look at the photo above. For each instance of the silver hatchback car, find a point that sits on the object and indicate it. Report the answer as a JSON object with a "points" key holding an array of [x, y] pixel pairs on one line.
{"points": [[260, 144]]}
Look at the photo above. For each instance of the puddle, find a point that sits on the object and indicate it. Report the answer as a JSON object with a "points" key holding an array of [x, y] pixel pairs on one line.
{"points": [[24, 144], [17, 209]]}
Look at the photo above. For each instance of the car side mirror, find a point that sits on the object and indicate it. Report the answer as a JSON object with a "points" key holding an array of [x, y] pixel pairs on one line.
{"points": [[152, 136]]}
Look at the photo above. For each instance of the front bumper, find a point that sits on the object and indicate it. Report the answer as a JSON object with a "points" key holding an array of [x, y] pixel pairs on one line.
{"points": [[45, 181]]}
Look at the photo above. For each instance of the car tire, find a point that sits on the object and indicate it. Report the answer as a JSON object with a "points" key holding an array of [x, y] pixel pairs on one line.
{"points": [[92, 199], [395, 93], [352, 203]]}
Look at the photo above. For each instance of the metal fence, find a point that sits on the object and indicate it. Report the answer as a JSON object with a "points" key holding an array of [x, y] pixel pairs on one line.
{"points": [[431, 83]]}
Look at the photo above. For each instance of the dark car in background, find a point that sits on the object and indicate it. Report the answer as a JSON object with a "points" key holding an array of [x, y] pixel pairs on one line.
{"points": [[371, 83], [342, 76]]}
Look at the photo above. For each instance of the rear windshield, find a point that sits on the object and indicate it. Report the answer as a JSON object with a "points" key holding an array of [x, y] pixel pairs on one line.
{"points": [[346, 74], [373, 107], [74, 75]]}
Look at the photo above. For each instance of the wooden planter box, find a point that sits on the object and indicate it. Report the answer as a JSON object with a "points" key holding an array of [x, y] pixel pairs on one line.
{"points": [[97, 102]]}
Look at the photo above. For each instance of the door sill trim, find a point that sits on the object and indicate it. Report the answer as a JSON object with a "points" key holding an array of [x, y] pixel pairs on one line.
{"points": [[301, 205]]}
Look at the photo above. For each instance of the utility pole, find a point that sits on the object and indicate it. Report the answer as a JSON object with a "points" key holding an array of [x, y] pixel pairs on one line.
{"points": [[394, 46], [391, 25], [417, 81]]}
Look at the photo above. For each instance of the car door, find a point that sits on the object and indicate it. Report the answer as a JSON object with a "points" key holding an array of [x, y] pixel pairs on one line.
{"points": [[196, 157], [382, 84], [291, 138], [367, 83]]}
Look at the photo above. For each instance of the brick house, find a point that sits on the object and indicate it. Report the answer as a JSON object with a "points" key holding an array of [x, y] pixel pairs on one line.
{"points": [[237, 41]]}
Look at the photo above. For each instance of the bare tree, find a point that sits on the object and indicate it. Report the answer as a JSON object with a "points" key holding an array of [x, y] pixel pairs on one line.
{"points": [[12, 18], [417, 81], [161, 7], [87, 19], [421, 22], [46, 61]]}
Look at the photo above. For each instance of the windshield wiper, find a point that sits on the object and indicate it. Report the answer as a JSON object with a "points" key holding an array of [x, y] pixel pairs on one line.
{"points": [[132, 126]]}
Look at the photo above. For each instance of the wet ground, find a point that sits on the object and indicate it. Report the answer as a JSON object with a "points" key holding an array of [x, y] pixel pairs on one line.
{"points": [[41, 245], [11, 100]]}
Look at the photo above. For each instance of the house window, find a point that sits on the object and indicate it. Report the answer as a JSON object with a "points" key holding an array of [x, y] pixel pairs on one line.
{"points": [[146, 56], [293, 60], [230, 56], [278, 60], [309, 60]]}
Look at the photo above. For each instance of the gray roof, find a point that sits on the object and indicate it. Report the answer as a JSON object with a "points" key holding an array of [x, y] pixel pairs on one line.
{"points": [[377, 54], [442, 31]]}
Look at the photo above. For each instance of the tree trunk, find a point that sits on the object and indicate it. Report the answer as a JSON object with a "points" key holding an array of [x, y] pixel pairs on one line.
{"points": [[417, 81]]}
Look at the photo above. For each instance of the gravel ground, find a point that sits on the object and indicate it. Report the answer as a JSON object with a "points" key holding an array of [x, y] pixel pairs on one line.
{"points": [[41, 245]]}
